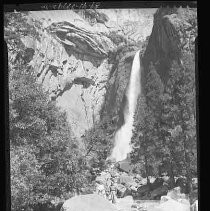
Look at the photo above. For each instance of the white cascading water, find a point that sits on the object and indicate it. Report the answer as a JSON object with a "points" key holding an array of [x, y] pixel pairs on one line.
{"points": [[123, 135]]}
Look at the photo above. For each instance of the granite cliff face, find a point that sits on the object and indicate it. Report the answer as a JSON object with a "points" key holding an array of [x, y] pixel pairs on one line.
{"points": [[83, 58], [173, 34]]}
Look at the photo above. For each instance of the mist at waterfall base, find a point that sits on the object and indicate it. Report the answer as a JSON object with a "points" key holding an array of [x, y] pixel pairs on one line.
{"points": [[124, 134]]}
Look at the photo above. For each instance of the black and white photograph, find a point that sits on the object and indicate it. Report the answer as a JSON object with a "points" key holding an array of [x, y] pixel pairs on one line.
{"points": [[102, 107]]}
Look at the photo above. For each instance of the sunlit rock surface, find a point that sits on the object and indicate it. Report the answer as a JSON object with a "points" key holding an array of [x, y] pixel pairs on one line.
{"points": [[80, 65], [90, 202]]}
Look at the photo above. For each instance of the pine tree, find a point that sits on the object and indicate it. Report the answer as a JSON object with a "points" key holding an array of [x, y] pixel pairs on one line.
{"points": [[146, 137], [98, 142], [153, 90], [178, 119], [144, 140]]}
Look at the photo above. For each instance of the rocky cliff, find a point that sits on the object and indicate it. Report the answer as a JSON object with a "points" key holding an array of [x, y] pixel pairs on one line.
{"points": [[173, 34], [84, 58]]}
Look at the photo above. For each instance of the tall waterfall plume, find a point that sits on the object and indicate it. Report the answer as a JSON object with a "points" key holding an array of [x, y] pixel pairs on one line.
{"points": [[123, 135]]}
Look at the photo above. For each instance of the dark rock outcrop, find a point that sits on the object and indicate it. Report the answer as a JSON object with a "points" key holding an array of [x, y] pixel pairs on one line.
{"points": [[173, 34], [157, 183], [158, 192], [121, 190], [143, 191]]}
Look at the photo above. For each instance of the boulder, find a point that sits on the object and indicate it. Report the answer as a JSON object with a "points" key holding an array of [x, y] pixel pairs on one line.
{"points": [[128, 192], [158, 192], [176, 194], [157, 183], [173, 201], [171, 205], [121, 189], [194, 206], [90, 202], [127, 180], [143, 190], [125, 166]]}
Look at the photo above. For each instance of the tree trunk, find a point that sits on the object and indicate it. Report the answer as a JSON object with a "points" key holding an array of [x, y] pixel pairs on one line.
{"points": [[146, 170], [171, 169], [187, 166], [186, 158], [171, 174]]}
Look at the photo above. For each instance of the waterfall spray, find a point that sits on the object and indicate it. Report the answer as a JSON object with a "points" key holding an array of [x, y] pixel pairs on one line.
{"points": [[124, 134]]}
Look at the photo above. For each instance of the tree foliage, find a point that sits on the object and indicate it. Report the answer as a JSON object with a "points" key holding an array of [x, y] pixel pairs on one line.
{"points": [[46, 163], [98, 143], [165, 122], [179, 111], [146, 137], [117, 38]]}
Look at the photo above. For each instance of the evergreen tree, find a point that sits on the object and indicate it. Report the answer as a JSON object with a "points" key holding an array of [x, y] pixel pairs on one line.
{"points": [[146, 140], [178, 119], [98, 142], [153, 90], [46, 163], [165, 122]]}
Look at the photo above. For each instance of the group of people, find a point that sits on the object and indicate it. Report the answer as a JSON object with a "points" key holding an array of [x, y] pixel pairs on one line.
{"points": [[108, 191]]}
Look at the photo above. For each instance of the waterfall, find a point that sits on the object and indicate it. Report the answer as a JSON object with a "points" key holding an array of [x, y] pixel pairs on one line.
{"points": [[123, 135]]}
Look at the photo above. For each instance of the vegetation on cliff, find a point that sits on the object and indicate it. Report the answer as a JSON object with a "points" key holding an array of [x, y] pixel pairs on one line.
{"points": [[165, 137], [46, 162]]}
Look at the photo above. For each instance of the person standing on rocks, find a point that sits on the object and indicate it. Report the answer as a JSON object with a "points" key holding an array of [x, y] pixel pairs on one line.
{"points": [[113, 192], [107, 189]]}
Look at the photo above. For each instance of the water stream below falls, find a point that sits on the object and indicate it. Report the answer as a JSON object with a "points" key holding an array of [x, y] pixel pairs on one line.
{"points": [[123, 135]]}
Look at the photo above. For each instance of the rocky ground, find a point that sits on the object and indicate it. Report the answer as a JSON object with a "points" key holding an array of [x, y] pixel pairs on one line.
{"points": [[128, 183], [173, 201], [128, 204], [133, 192]]}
